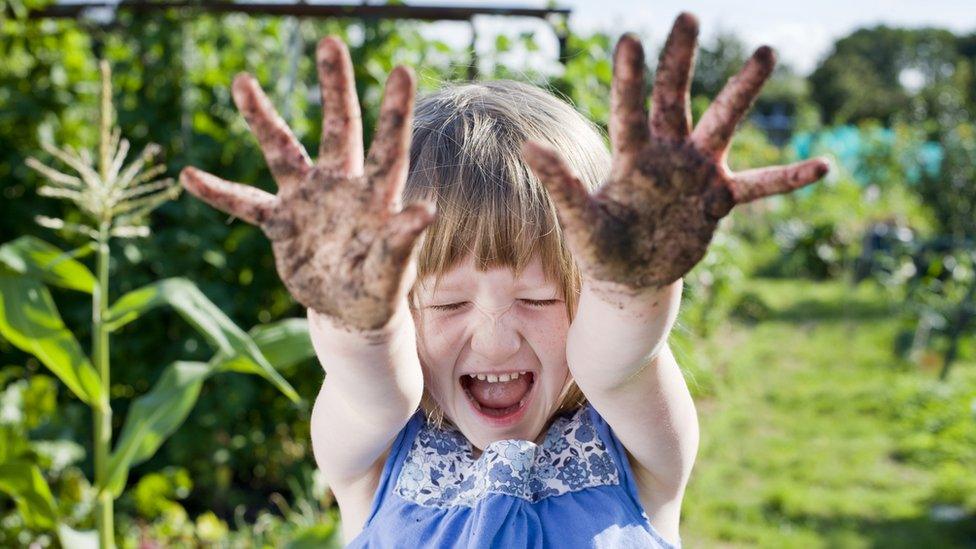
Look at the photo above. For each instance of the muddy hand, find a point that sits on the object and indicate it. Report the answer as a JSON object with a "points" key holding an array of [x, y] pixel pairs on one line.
{"points": [[653, 219], [341, 242]]}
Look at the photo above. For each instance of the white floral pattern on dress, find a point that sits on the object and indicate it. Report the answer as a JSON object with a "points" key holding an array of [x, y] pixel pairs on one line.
{"points": [[440, 471]]}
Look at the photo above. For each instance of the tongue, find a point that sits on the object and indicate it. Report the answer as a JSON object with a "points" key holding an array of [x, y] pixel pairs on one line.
{"points": [[501, 394]]}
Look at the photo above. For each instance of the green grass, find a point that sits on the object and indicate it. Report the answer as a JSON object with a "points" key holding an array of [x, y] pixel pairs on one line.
{"points": [[814, 435]]}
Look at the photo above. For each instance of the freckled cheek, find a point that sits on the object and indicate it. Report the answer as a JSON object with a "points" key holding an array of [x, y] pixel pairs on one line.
{"points": [[549, 332], [439, 343]]}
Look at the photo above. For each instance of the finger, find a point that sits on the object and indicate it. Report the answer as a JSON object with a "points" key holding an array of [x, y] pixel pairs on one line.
{"points": [[244, 201], [386, 164], [392, 252], [341, 147], [670, 104], [628, 119], [406, 226], [715, 129], [754, 184], [575, 208], [287, 159]]}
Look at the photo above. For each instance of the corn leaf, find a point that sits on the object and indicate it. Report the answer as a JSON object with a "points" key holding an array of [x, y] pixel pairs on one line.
{"points": [[34, 257], [154, 416], [285, 343], [30, 320], [232, 343]]}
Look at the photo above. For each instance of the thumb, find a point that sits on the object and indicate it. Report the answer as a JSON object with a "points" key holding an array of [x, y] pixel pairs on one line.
{"points": [[575, 208], [406, 226]]}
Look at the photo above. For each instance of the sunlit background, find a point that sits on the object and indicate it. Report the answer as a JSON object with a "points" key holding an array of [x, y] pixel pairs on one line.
{"points": [[827, 337]]}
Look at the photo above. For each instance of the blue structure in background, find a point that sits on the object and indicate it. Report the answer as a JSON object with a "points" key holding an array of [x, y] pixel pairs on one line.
{"points": [[851, 147]]}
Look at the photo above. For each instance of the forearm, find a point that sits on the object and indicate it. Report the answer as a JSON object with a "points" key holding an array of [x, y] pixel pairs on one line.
{"points": [[618, 353], [373, 385], [617, 332], [380, 367]]}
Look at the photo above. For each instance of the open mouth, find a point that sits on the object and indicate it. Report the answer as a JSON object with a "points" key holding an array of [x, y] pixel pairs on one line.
{"points": [[498, 397]]}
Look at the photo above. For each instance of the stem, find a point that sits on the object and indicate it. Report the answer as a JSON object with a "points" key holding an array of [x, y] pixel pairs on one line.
{"points": [[103, 413]]}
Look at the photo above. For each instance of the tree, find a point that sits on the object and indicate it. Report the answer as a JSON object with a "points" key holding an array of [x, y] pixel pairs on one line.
{"points": [[873, 72]]}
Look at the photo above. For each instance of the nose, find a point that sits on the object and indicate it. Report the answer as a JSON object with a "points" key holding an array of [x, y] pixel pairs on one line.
{"points": [[496, 336]]}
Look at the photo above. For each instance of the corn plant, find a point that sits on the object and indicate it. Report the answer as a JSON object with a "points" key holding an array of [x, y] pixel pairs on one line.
{"points": [[115, 199]]}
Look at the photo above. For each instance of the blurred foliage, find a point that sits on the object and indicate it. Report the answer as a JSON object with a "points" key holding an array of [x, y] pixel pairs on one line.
{"points": [[819, 231], [940, 294], [873, 72], [952, 194], [819, 437], [938, 425], [28, 410]]}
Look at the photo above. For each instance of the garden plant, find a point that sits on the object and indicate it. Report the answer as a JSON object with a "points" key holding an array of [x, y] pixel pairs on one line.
{"points": [[116, 200]]}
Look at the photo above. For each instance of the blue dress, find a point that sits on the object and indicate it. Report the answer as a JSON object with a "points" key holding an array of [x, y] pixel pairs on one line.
{"points": [[576, 489]]}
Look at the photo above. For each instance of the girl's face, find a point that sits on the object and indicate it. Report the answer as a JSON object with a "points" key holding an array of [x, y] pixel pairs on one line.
{"points": [[482, 325]]}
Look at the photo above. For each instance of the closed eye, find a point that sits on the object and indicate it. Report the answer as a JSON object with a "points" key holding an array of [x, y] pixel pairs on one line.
{"points": [[449, 306], [529, 302], [539, 302]]}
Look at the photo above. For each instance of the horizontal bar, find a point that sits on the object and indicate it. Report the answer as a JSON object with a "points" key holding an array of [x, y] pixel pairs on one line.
{"points": [[423, 13]]}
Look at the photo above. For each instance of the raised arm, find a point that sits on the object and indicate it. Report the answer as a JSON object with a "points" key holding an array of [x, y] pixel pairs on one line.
{"points": [[642, 230], [345, 249]]}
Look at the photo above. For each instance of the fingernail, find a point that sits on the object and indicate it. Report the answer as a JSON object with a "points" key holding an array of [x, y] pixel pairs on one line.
{"points": [[765, 55], [687, 20], [823, 168]]}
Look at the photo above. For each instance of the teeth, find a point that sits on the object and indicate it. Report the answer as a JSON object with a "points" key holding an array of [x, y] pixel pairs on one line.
{"points": [[492, 378]]}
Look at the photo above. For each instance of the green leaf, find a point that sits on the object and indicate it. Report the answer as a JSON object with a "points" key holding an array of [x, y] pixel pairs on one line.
{"points": [[77, 539], [24, 483], [321, 536], [227, 338], [30, 320], [284, 343], [36, 258], [154, 416]]}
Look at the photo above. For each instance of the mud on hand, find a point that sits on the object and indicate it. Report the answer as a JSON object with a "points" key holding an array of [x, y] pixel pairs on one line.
{"points": [[669, 186], [343, 245]]}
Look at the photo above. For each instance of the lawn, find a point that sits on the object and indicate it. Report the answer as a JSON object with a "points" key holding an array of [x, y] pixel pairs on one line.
{"points": [[814, 435]]}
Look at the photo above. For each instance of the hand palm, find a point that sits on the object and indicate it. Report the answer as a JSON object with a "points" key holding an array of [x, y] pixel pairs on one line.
{"points": [[653, 219], [342, 245]]}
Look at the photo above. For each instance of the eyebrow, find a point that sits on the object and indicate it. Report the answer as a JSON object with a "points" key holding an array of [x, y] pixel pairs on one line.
{"points": [[457, 286], [450, 287]]}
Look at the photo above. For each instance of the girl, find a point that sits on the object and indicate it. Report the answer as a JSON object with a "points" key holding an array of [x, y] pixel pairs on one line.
{"points": [[498, 373]]}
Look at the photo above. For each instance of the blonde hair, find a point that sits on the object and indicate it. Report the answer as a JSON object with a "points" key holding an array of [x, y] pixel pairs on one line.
{"points": [[465, 155]]}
